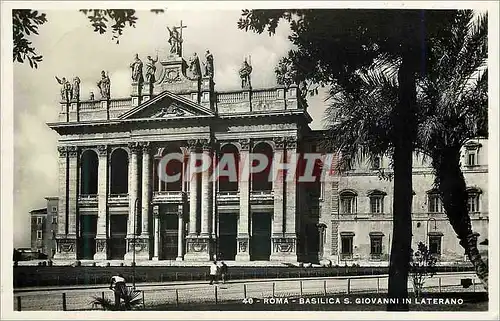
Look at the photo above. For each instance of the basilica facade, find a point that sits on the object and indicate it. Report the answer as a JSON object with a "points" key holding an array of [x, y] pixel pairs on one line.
{"points": [[114, 206]]}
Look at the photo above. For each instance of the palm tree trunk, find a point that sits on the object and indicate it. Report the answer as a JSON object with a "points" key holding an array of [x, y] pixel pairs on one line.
{"points": [[451, 183], [404, 133]]}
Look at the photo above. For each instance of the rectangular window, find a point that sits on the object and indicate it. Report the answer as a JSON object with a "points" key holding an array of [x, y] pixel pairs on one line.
{"points": [[54, 219], [434, 204], [39, 220], [54, 209], [346, 246], [376, 204], [473, 203], [471, 159], [435, 244], [376, 245], [39, 234]]}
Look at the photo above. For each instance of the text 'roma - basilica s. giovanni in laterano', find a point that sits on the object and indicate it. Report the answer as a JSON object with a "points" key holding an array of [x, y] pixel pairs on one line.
{"points": [[115, 204]]}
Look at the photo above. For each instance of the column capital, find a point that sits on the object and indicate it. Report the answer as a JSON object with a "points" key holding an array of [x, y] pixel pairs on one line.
{"points": [[145, 146], [291, 142], [102, 150], [192, 144], [72, 151], [279, 142], [63, 151], [134, 147], [156, 211], [245, 144], [206, 144]]}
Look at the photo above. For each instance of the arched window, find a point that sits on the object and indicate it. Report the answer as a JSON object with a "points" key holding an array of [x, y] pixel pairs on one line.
{"points": [[174, 167], [348, 201], [261, 180], [119, 172], [89, 164], [229, 183]]}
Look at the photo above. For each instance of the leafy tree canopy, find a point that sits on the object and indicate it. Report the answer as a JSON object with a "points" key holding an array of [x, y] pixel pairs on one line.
{"points": [[26, 22]]}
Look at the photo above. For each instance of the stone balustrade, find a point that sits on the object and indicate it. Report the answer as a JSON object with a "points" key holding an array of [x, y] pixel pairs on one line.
{"points": [[257, 100]]}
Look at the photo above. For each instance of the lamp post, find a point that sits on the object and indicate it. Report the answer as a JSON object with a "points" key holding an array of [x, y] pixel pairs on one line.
{"points": [[133, 250]]}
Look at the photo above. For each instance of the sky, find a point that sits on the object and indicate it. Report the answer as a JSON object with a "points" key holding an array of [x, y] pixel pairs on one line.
{"points": [[71, 48]]}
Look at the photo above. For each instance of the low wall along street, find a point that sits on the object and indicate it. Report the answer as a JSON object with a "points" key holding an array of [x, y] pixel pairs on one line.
{"points": [[442, 292]]}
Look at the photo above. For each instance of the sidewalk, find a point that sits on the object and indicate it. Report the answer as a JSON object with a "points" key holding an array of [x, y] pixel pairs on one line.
{"points": [[204, 282]]}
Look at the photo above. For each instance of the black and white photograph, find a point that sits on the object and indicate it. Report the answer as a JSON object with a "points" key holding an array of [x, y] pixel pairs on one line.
{"points": [[249, 160]]}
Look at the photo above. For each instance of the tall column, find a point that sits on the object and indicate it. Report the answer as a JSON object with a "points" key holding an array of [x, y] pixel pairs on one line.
{"points": [[146, 189], [66, 248], [284, 237], [193, 193], [63, 192], [206, 196], [278, 185], [243, 253], [291, 214], [198, 246], [133, 197], [180, 234], [72, 191], [102, 206], [156, 242], [142, 246]]}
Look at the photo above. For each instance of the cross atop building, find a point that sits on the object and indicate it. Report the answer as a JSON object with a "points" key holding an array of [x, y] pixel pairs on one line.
{"points": [[175, 39]]}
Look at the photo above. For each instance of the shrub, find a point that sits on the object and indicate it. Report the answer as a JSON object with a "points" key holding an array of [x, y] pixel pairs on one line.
{"points": [[422, 267]]}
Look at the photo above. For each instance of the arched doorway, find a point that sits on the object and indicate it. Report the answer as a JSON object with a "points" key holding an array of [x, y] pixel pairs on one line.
{"points": [[87, 223], [118, 222], [89, 169], [260, 181]]}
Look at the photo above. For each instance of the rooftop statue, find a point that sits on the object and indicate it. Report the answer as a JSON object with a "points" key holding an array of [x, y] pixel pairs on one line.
{"points": [[194, 66], [136, 67], [151, 69], [76, 88], [104, 85], [175, 41], [66, 89], [209, 64], [245, 71]]}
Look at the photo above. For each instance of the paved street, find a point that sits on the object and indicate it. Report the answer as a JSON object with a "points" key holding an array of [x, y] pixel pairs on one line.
{"points": [[79, 297]]}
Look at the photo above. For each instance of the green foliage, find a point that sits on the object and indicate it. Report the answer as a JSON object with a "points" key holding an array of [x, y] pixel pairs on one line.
{"points": [[422, 267], [26, 22]]}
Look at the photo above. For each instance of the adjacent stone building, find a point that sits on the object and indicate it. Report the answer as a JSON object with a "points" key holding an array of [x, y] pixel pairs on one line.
{"points": [[112, 204], [44, 228]]}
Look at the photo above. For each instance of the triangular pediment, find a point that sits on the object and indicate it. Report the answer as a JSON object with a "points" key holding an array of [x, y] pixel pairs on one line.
{"points": [[167, 105]]}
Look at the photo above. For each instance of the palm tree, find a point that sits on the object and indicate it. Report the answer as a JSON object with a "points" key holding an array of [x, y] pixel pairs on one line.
{"points": [[454, 102], [130, 300], [331, 46]]}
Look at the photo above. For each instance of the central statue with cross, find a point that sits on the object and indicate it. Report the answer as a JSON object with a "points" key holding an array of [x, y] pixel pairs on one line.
{"points": [[175, 39]]}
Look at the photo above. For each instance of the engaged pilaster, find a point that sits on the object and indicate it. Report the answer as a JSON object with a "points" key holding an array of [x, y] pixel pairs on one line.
{"points": [[243, 253], [102, 206], [145, 202], [133, 198], [156, 242]]}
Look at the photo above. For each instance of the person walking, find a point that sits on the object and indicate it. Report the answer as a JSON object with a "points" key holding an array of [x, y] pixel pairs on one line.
{"points": [[223, 272], [213, 272], [118, 286]]}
